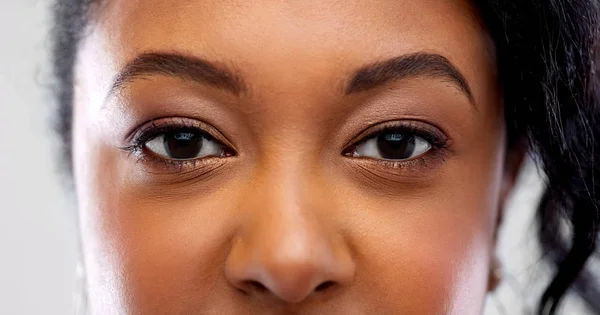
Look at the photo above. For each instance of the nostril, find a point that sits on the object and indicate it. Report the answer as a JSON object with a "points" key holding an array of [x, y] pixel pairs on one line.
{"points": [[324, 286], [256, 286], [260, 288]]}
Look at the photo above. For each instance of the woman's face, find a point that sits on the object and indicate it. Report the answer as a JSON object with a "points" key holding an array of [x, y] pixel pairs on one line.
{"points": [[288, 157]]}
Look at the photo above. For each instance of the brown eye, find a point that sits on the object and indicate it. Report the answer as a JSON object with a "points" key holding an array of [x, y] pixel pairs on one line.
{"points": [[394, 145], [184, 144]]}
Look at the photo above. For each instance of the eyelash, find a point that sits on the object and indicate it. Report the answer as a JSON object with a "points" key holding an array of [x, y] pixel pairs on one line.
{"points": [[157, 127], [436, 138], [439, 142]]}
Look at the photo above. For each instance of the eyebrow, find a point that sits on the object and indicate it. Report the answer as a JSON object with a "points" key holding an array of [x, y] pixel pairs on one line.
{"points": [[180, 66], [367, 78], [408, 66]]}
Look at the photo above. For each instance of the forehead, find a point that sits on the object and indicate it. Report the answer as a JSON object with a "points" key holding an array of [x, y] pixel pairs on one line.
{"points": [[286, 40], [373, 25]]}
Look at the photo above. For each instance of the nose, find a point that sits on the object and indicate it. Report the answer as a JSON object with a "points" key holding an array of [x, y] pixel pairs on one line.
{"points": [[287, 248]]}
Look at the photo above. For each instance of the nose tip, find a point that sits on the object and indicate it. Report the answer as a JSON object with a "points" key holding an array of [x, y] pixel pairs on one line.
{"points": [[292, 285], [290, 278], [287, 247], [290, 271]]}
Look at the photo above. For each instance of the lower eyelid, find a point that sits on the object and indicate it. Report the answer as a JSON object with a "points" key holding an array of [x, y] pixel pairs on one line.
{"points": [[429, 159], [381, 174], [197, 167]]}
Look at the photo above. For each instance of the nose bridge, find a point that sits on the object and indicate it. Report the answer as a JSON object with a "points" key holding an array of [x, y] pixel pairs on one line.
{"points": [[287, 243], [288, 203], [286, 228]]}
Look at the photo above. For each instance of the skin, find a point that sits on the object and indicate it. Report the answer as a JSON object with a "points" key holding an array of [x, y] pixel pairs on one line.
{"points": [[288, 224]]}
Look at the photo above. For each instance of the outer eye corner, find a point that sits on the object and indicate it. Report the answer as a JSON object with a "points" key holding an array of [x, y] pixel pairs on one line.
{"points": [[228, 152], [156, 146], [349, 151]]}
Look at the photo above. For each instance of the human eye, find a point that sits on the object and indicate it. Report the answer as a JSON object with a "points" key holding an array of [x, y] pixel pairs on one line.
{"points": [[184, 144], [397, 142], [179, 141], [393, 145]]}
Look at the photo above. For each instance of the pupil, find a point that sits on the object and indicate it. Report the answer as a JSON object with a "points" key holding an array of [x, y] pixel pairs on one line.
{"points": [[183, 145], [395, 146]]}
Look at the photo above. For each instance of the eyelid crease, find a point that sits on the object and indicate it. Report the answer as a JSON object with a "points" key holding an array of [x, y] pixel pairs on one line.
{"points": [[429, 132], [147, 130]]}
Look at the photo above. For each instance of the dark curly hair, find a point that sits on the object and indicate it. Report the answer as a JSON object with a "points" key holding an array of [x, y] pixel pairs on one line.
{"points": [[546, 60]]}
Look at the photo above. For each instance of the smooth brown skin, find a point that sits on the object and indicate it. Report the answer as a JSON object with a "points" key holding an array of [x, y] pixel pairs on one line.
{"points": [[288, 212]]}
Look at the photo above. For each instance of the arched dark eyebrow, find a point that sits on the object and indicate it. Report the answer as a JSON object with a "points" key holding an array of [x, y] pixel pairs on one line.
{"points": [[366, 78], [181, 66], [408, 66]]}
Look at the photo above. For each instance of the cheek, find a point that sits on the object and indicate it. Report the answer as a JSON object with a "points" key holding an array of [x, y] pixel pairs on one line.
{"points": [[145, 252], [169, 258], [431, 259], [430, 266], [428, 249]]}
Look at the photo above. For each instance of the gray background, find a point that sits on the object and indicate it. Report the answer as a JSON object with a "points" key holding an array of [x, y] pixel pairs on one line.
{"points": [[37, 227], [38, 235]]}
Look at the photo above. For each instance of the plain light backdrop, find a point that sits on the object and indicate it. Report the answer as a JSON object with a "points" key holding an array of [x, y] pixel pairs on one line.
{"points": [[38, 235], [37, 230]]}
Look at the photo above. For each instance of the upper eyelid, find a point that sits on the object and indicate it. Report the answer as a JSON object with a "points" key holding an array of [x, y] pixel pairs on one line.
{"points": [[152, 133], [212, 132], [162, 124], [158, 123], [375, 129]]}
